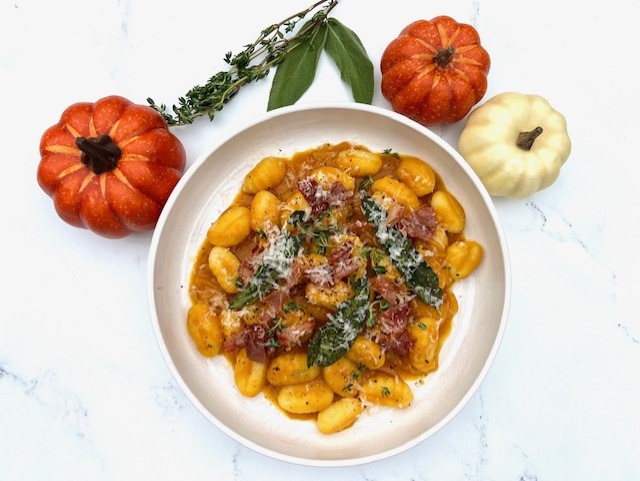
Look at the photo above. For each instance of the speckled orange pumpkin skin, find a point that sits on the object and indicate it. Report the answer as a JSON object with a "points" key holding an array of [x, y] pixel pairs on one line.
{"points": [[416, 83], [128, 197]]}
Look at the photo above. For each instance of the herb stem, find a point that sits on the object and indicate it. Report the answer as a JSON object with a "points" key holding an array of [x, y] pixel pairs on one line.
{"points": [[253, 63]]}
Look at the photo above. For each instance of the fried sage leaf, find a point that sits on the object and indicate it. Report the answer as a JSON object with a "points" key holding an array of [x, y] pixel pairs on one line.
{"points": [[417, 274], [275, 265], [336, 337]]}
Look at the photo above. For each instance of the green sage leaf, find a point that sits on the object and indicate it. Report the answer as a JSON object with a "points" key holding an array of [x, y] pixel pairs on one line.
{"points": [[336, 337], [417, 274], [350, 56], [295, 74]]}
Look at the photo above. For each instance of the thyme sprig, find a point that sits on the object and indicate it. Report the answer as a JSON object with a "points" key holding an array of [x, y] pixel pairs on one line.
{"points": [[251, 64]]}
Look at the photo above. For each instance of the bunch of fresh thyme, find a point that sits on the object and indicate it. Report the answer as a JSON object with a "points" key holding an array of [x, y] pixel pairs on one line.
{"points": [[253, 63]]}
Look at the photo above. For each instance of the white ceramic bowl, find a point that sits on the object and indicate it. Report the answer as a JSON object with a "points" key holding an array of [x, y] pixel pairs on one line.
{"points": [[208, 188]]}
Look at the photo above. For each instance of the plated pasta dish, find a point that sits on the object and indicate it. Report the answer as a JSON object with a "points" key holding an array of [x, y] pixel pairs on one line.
{"points": [[327, 283]]}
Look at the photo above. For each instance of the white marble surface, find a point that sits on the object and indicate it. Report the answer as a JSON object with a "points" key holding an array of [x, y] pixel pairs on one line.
{"points": [[84, 391]]}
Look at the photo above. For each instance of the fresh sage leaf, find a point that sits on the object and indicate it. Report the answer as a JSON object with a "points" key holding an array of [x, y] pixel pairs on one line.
{"points": [[350, 56], [295, 74]]}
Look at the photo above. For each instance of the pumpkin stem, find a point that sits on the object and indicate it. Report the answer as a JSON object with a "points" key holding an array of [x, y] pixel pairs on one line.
{"points": [[525, 139], [444, 56], [100, 154]]}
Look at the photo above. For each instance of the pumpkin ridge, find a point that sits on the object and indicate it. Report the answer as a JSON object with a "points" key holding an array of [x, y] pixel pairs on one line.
{"points": [[465, 48], [126, 142], [462, 74], [454, 36], [62, 149], [467, 61], [443, 36], [112, 132], [134, 158], [70, 170], [436, 80], [72, 131], [122, 178], [425, 70], [86, 181], [92, 126], [103, 186], [430, 48]]}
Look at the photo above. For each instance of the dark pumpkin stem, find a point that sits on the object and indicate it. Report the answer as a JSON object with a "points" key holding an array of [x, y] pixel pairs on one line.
{"points": [[444, 56], [526, 139], [100, 154]]}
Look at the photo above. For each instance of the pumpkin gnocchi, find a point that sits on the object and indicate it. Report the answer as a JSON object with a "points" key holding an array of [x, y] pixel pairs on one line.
{"points": [[327, 283]]}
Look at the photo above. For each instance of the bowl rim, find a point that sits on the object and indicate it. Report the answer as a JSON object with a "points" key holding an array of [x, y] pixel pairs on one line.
{"points": [[190, 172]]}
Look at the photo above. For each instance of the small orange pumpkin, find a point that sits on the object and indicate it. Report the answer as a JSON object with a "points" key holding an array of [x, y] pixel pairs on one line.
{"points": [[110, 166], [435, 71]]}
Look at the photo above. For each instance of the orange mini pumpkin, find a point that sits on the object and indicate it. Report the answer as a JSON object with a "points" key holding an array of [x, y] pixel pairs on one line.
{"points": [[110, 166], [435, 71]]}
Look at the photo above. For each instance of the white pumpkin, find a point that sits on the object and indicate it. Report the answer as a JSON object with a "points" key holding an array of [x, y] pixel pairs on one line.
{"points": [[516, 143]]}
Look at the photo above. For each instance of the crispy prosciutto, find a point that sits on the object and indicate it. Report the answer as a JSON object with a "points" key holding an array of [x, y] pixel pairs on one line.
{"points": [[321, 199], [393, 335], [295, 335], [254, 338], [341, 264], [263, 342], [419, 224], [387, 289]]}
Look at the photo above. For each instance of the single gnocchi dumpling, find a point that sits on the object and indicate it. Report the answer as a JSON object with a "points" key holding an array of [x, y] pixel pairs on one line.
{"points": [[325, 176], [339, 415], [417, 175], [449, 213], [463, 257], [231, 228], [250, 376], [205, 329], [268, 173], [358, 162], [224, 266], [305, 398], [265, 211], [397, 191]]}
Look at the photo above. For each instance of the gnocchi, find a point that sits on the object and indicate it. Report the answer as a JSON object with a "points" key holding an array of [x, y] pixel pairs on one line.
{"points": [[449, 213], [265, 211], [305, 398], [396, 190], [205, 329], [224, 266], [291, 368], [417, 175], [358, 162], [339, 415], [269, 172], [231, 228], [304, 285], [250, 375]]}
